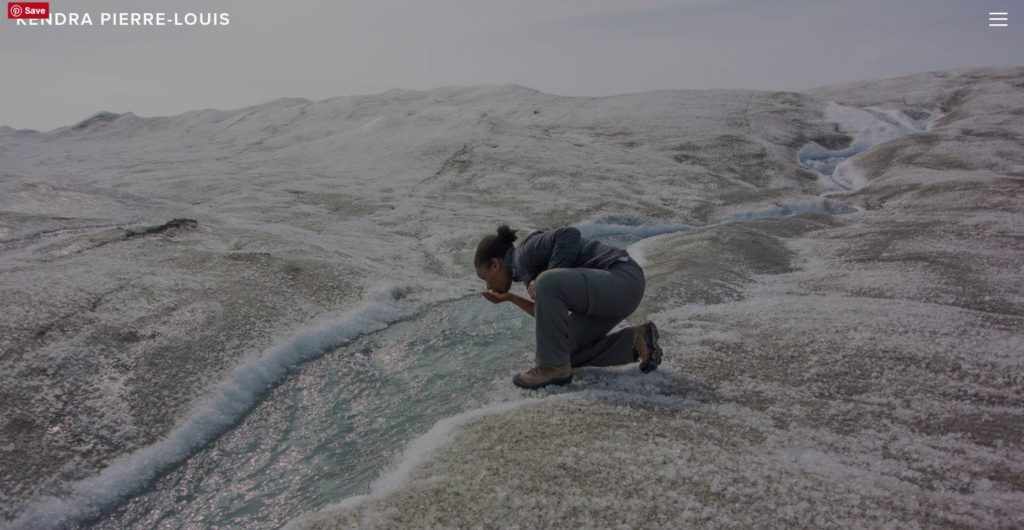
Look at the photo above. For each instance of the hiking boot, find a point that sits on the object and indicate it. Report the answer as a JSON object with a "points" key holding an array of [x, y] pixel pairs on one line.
{"points": [[645, 346], [539, 376]]}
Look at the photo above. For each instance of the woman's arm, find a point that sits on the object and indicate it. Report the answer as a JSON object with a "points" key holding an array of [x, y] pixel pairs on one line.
{"points": [[524, 304]]}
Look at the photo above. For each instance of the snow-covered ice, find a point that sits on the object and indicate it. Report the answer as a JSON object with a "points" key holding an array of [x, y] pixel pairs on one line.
{"points": [[850, 360]]}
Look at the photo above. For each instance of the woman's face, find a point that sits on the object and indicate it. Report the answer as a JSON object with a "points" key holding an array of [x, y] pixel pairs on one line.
{"points": [[493, 274]]}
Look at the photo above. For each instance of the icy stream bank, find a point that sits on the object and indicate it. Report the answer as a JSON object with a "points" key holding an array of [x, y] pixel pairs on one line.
{"points": [[868, 127]]}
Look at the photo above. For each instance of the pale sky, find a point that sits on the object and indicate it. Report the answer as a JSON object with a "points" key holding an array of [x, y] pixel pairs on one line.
{"points": [[318, 49]]}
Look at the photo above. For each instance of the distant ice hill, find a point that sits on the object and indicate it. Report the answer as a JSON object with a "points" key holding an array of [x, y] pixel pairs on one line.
{"points": [[837, 275]]}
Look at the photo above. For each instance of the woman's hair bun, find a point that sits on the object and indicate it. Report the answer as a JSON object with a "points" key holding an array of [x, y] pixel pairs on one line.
{"points": [[494, 246], [506, 234]]}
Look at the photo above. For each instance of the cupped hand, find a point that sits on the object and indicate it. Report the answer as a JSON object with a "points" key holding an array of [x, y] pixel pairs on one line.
{"points": [[532, 289], [496, 298]]}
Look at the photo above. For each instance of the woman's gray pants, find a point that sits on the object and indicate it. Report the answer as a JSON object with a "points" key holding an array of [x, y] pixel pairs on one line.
{"points": [[575, 308]]}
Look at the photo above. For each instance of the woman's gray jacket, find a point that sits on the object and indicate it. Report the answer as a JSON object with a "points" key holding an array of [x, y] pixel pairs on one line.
{"points": [[559, 248]]}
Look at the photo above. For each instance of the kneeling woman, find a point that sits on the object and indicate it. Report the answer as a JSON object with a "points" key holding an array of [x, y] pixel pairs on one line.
{"points": [[580, 290]]}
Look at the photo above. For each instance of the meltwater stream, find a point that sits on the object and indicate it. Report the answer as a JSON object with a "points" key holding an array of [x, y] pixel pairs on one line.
{"points": [[868, 127], [333, 424]]}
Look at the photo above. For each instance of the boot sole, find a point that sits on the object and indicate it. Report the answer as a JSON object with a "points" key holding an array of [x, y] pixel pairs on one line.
{"points": [[519, 383], [654, 356]]}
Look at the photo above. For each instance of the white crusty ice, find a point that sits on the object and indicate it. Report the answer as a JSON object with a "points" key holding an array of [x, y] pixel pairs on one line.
{"points": [[818, 366]]}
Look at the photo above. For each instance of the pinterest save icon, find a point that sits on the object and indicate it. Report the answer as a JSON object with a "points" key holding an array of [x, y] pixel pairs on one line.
{"points": [[28, 10]]}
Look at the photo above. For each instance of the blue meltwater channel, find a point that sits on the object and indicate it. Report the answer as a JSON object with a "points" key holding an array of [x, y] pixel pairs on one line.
{"points": [[333, 424]]}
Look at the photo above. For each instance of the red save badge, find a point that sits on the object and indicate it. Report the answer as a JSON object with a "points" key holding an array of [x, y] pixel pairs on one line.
{"points": [[28, 10]]}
